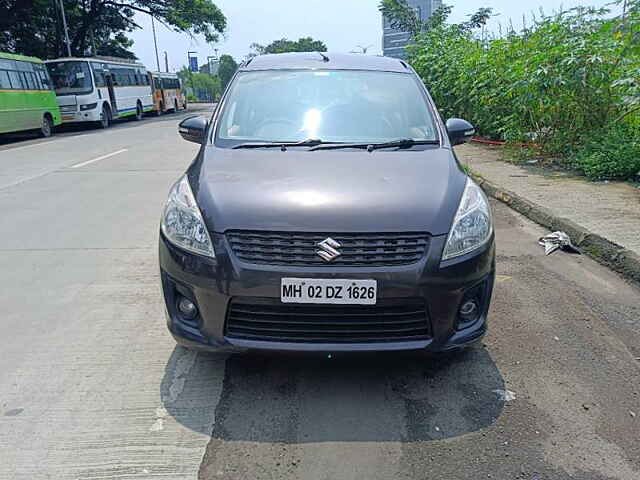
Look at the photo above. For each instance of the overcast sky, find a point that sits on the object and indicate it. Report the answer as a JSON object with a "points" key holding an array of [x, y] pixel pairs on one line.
{"points": [[341, 24]]}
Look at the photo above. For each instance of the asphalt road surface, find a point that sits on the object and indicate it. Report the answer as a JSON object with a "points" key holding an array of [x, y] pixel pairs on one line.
{"points": [[93, 387]]}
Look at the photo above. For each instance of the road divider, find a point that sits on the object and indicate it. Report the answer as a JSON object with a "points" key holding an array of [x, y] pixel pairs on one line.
{"points": [[103, 157]]}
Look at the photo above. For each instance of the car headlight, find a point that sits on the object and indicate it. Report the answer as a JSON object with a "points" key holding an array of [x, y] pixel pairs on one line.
{"points": [[472, 226], [182, 221]]}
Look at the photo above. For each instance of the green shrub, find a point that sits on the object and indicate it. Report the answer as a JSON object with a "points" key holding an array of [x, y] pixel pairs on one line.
{"points": [[558, 83], [613, 153]]}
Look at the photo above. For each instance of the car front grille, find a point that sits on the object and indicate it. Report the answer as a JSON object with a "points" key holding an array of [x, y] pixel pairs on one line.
{"points": [[301, 249], [265, 319]]}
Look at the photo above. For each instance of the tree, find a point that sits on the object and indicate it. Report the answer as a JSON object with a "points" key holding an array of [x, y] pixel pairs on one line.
{"points": [[227, 68], [201, 85], [404, 18], [401, 16], [306, 44], [33, 27]]}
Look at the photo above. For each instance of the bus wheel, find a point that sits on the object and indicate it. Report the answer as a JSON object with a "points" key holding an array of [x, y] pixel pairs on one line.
{"points": [[47, 126], [105, 118], [139, 112]]}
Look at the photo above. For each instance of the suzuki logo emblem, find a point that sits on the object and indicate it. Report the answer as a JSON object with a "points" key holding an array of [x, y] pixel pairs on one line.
{"points": [[328, 250]]}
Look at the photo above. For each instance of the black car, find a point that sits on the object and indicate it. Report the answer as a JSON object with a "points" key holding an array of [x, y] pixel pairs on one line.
{"points": [[326, 211]]}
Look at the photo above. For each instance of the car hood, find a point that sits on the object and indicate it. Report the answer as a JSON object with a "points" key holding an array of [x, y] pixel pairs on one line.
{"points": [[327, 191]]}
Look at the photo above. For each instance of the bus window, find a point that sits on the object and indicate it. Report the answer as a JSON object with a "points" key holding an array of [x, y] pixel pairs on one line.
{"points": [[27, 81], [98, 75], [4, 79], [70, 77], [6, 64], [41, 72], [14, 78], [36, 80]]}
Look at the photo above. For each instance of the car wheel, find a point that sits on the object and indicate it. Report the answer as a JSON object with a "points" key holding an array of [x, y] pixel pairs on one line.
{"points": [[46, 129], [105, 118]]}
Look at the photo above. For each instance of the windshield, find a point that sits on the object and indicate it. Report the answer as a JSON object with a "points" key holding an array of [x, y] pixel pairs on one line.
{"points": [[70, 78], [334, 106]]}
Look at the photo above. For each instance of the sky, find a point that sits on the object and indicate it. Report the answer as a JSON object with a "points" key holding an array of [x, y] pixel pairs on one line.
{"points": [[341, 24]]}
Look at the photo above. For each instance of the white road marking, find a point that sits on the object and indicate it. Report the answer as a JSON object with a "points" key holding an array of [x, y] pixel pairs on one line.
{"points": [[78, 165]]}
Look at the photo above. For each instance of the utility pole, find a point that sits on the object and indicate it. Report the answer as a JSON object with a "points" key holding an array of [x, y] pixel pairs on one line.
{"points": [[155, 41], [166, 62], [66, 30]]}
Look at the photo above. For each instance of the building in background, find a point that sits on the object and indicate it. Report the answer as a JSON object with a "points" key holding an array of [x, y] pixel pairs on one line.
{"points": [[394, 41]]}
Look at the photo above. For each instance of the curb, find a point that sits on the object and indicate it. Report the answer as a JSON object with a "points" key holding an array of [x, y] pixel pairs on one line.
{"points": [[604, 251]]}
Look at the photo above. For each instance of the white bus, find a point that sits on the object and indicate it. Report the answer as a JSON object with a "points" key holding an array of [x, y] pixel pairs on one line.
{"points": [[100, 89]]}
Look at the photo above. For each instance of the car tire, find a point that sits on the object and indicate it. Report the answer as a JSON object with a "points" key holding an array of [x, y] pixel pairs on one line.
{"points": [[46, 129], [139, 112], [105, 118]]}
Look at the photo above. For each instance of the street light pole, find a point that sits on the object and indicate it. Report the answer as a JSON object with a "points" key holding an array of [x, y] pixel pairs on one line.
{"points": [[66, 30], [155, 41]]}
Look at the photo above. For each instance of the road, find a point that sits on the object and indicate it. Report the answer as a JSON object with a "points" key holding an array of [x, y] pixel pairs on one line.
{"points": [[93, 387]]}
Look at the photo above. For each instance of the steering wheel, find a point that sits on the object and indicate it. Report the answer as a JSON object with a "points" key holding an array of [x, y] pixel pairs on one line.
{"points": [[276, 121], [343, 110]]}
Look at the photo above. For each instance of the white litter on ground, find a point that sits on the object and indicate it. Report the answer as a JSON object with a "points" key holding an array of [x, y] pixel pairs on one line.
{"points": [[555, 241], [505, 395]]}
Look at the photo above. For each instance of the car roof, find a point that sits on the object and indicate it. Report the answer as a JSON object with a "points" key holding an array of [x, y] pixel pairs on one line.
{"points": [[325, 61]]}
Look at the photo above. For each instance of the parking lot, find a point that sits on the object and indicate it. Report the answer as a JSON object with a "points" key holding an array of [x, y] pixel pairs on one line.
{"points": [[92, 385]]}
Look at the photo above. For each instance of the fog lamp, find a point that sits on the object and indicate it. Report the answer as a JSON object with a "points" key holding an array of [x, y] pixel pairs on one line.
{"points": [[187, 308], [471, 306], [469, 309]]}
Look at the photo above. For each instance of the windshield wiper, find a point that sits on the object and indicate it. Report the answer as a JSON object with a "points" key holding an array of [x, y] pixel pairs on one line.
{"points": [[400, 143], [310, 142]]}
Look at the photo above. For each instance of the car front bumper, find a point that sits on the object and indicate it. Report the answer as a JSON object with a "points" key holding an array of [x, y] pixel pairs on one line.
{"points": [[213, 284]]}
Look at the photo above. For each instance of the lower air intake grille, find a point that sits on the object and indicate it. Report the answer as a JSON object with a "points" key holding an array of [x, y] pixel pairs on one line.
{"points": [[391, 320]]}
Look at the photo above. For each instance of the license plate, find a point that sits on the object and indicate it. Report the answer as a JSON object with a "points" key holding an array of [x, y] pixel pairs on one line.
{"points": [[333, 291]]}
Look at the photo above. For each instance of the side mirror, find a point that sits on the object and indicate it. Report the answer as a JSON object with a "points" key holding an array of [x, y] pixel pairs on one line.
{"points": [[460, 131], [194, 128]]}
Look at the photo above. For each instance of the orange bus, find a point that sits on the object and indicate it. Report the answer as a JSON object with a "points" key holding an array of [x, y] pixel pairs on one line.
{"points": [[168, 95]]}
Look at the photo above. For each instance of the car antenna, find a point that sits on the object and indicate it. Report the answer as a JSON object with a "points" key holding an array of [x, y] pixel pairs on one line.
{"points": [[324, 57]]}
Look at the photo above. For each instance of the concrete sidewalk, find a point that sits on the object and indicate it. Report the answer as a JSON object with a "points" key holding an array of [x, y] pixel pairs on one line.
{"points": [[603, 219]]}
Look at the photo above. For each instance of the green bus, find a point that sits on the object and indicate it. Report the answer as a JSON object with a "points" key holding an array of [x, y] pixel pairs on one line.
{"points": [[27, 99]]}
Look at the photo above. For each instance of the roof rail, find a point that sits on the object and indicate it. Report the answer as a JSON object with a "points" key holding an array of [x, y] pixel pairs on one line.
{"points": [[404, 65]]}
